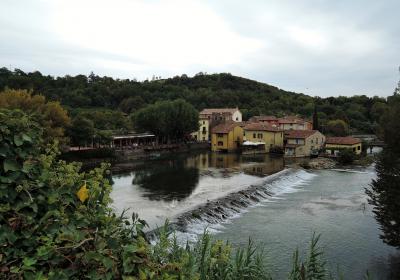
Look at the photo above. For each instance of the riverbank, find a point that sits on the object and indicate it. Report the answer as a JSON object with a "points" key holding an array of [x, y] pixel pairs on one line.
{"points": [[124, 160]]}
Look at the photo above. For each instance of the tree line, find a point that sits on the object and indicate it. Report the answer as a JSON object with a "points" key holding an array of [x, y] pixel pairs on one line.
{"points": [[109, 103]]}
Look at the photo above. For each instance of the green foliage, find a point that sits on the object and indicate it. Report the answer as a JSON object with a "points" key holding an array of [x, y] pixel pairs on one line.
{"points": [[81, 131], [45, 230], [314, 266], [384, 195], [209, 259], [167, 119], [346, 156], [201, 91], [390, 124], [52, 117], [337, 128]]}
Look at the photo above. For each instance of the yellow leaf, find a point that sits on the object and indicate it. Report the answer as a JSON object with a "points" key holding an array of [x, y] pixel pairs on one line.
{"points": [[83, 193]]}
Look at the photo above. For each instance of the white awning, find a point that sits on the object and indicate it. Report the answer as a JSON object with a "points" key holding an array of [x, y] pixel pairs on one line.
{"points": [[249, 143]]}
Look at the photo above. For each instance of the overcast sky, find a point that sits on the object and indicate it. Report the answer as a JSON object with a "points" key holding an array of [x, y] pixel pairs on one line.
{"points": [[318, 47]]}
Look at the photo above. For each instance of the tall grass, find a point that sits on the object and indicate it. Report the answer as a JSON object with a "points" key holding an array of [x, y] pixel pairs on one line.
{"points": [[209, 259]]}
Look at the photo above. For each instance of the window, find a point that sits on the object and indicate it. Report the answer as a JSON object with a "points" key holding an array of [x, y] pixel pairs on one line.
{"points": [[244, 133], [359, 148], [220, 143], [354, 149], [254, 135], [204, 122], [237, 118], [297, 141], [317, 140], [220, 135], [312, 141], [259, 136]]}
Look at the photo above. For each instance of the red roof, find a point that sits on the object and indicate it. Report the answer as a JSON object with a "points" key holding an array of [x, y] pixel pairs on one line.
{"points": [[260, 126], [342, 140], [225, 127], [209, 111], [299, 133], [264, 118], [292, 119]]}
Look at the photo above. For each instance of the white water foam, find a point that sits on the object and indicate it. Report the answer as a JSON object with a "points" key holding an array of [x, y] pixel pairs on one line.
{"points": [[279, 184]]}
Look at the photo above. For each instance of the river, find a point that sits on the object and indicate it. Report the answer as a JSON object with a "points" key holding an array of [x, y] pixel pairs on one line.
{"points": [[281, 207]]}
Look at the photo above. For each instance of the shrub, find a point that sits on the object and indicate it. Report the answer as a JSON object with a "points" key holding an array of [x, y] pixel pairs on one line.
{"points": [[46, 231], [346, 156]]}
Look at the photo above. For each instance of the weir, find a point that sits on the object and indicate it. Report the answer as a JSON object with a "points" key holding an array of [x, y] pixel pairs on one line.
{"points": [[221, 210]]}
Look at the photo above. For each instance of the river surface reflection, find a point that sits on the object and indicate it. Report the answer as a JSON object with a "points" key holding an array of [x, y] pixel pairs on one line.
{"points": [[165, 187]]}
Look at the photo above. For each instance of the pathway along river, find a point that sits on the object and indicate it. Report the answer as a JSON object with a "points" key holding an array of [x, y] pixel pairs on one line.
{"points": [[240, 196]]}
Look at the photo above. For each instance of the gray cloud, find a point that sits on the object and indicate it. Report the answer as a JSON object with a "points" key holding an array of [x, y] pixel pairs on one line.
{"points": [[315, 47]]}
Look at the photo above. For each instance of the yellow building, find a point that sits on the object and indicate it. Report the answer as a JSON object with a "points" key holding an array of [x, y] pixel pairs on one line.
{"points": [[335, 144], [258, 132], [303, 143], [203, 133], [226, 137]]}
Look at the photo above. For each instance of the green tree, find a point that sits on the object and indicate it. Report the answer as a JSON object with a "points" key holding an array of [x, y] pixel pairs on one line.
{"points": [[50, 115], [131, 104], [168, 120], [81, 131], [390, 124], [337, 128], [384, 195], [346, 156]]}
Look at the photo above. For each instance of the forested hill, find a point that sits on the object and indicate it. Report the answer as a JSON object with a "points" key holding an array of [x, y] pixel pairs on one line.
{"points": [[116, 97]]}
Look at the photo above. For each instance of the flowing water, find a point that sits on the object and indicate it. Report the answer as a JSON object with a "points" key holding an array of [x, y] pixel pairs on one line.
{"points": [[237, 197]]}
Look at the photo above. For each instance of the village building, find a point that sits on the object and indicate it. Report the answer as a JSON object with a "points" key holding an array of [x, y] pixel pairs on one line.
{"points": [[285, 123], [294, 123], [209, 118], [303, 143], [262, 136], [227, 137], [334, 145], [219, 115], [272, 120], [203, 133]]}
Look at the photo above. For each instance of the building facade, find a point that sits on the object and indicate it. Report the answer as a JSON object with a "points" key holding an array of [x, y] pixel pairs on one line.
{"points": [[303, 143], [334, 145], [258, 132], [226, 137], [294, 123], [202, 134], [285, 123], [218, 115]]}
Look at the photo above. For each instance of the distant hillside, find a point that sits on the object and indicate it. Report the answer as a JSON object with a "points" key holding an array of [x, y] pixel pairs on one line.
{"points": [[92, 93]]}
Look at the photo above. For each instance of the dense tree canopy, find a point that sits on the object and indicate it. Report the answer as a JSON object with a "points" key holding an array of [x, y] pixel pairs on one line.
{"points": [[390, 123], [169, 120], [336, 128], [53, 118], [215, 90]]}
